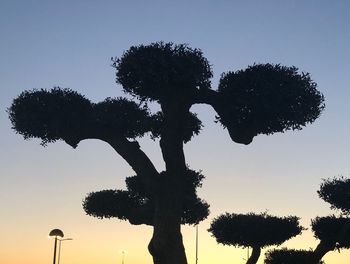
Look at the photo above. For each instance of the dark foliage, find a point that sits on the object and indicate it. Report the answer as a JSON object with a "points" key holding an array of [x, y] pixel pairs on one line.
{"points": [[262, 99], [64, 114], [136, 205], [50, 115], [332, 230], [254, 230], [336, 192], [123, 117], [289, 256], [192, 127], [193, 180], [195, 210], [266, 98], [161, 71], [120, 204]]}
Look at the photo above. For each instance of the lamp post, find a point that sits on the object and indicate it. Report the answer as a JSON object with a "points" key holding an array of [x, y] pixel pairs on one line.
{"points": [[55, 233], [59, 248], [196, 244], [123, 252]]}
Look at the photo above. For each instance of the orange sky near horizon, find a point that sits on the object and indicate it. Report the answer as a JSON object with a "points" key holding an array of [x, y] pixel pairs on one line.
{"points": [[103, 244]]}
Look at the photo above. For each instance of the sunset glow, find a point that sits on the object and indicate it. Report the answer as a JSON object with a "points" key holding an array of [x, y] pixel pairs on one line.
{"points": [[70, 43]]}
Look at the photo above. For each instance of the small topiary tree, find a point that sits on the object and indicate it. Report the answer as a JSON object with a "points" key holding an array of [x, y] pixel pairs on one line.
{"points": [[336, 192], [333, 231], [262, 99], [254, 230], [289, 256]]}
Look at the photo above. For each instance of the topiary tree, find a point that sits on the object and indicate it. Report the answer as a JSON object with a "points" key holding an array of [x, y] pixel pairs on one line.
{"points": [[336, 192], [254, 230], [289, 256], [333, 231], [262, 99]]}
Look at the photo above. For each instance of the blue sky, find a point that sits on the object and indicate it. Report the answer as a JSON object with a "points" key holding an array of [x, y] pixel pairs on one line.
{"points": [[70, 43]]}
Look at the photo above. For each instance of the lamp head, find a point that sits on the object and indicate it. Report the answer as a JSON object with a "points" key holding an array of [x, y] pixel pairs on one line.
{"points": [[56, 233]]}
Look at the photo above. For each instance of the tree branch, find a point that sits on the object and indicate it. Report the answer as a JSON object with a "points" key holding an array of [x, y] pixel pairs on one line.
{"points": [[214, 99], [206, 96], [130, 151]]}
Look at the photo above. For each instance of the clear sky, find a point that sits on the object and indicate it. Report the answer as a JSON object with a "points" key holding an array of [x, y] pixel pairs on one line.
{"points": [[70, 43]]}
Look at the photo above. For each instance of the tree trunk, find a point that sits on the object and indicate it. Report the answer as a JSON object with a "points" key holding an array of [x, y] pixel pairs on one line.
{"points": [[166, 246], [253, 259], [322, 249]]}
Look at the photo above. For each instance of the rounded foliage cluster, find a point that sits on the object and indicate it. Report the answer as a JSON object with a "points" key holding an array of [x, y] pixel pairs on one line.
{"points": [[50, 114], [254, 230], [289, 256], [336, 192], [195, 209], [162, 71], [332, 230], [119, 204], [267, 98], [136, 204], [65, 114], [135, 185], [194, 179], [192, 126], [123, 117]]}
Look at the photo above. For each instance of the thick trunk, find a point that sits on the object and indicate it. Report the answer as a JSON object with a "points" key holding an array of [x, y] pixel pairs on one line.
{"points": [[166, 245], [253, 259], [321, 250]]}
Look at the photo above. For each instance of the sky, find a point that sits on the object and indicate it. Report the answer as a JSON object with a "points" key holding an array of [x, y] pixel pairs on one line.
{"points": [[70, 43]]}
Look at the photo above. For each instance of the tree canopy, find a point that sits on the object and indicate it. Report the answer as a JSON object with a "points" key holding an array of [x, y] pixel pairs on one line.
{"points": [[289, 256], [254, 230], [262, 99], [267, 98], [336, 192], [136, 204], [161, 71], [332, 230]]}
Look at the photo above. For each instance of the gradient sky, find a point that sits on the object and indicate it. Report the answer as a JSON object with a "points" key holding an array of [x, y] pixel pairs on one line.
{"points": [[70, 43]]}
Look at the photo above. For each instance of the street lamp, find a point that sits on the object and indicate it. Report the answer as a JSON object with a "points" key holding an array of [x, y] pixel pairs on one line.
{"points": [[55, 233], [59, 248], [123, 252], [197, 244]]}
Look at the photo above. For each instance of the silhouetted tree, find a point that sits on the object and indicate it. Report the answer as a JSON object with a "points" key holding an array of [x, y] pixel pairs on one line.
{"points": [[135, 205], [254, 230], [289, 256], [336, 192], [333, 233], [262, 99]]}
